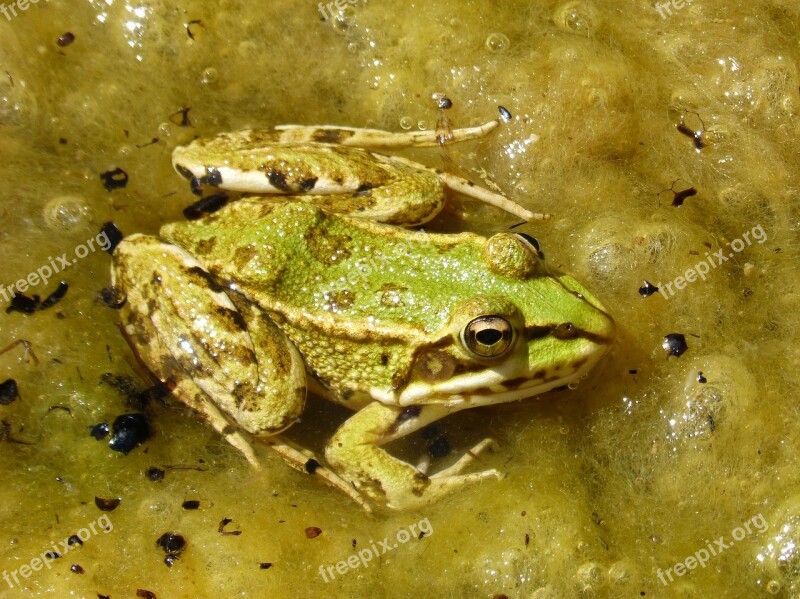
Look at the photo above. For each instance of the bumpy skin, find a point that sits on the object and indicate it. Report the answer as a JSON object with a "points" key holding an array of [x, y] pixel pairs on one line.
{"points": [[238, 308]]}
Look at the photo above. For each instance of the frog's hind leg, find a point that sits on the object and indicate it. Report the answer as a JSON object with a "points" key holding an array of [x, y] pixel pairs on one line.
{"points": [[355, 452], [378, 138], [468, 188], [304, 460], [220, 354]]}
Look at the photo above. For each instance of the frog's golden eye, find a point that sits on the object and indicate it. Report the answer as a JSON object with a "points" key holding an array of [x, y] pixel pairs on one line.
{"points": [[488, 336]]}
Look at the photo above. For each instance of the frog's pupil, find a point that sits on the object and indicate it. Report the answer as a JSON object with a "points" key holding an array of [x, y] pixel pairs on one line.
{"points": [[488, 336]]}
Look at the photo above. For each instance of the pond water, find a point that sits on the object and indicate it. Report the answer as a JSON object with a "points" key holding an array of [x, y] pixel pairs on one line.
{"points": [[661, 137]]}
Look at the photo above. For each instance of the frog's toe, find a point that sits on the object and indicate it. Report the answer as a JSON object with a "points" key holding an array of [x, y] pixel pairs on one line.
{"points": [[466, 459]]}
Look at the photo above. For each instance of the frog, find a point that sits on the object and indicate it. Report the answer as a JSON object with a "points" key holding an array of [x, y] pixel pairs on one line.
{"points": [[313, 275]]}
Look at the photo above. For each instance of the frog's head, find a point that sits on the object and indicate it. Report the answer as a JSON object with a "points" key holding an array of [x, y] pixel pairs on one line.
{"points": [[527, 329]]}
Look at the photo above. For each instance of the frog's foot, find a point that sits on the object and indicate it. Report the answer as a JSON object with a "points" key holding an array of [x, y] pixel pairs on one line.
{"points": [[378, 138], [468, 188], [221, 355], [469, 457], [304, 460], [355, 452]]}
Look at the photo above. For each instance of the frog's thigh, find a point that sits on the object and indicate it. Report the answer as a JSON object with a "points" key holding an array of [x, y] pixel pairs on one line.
{"points": [[175, 314], [354, 452], [411, 197], [377, 138]]}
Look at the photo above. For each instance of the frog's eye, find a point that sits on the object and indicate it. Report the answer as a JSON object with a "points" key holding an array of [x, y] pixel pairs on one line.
{"points": [[487, 336]]}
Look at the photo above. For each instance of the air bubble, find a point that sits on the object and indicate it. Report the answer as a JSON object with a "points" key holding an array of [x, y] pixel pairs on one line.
{"points": [[497, 42], [422, 125], [66, 213], [406, 123], [209, 75]]}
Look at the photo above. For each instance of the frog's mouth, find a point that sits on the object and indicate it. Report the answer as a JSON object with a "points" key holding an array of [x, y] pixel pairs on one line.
{"points": [[514, 379]]}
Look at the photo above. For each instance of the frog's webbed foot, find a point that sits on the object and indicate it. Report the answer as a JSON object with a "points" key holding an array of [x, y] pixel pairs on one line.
{"points": [[220, 354], [355, 452]]}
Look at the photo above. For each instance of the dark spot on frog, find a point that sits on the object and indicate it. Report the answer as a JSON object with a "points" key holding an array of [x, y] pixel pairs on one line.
{"points": [[206, 205], [308, 184], [228, 429], [112, 297], [204, 278], [205, 246], [213, 176], [384, 359], [331, 136], [407, 413], [364, 190], [312, 465], [278, 180], [420, 483], [107, 505], [184, 172], [242, 257], [516, 383]]}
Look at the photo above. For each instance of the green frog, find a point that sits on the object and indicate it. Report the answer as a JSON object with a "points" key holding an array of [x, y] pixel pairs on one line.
{"points": [[321, 283]]}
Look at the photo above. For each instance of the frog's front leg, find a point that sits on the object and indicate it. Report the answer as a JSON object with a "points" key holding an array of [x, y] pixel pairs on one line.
{"points": [[355, 453], [219, 353]]}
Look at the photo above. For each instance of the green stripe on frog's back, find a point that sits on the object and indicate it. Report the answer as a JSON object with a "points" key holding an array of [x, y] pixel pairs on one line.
{"points": [[294, 257]]}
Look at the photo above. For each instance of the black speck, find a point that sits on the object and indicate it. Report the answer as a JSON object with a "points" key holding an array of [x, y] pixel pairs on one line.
{"points": [[110, 231], [145, 594], [633, 371], [308, 184], [66, 39], [439, 448], [100, 431], [504, 113], [312, 465], [265, 565], [221, 528], [114, 179], [77, 569], [74, 540], [205, 206], [444, 103], [23, 303], [675, 344], [155, 474], [701, 378], [129, 431], [112, 298], [55, 297], [107, 505], [190, 504], [680, 196], [181, 118], [9, 392], [647, 289], [51, 555], [171, 543]]}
